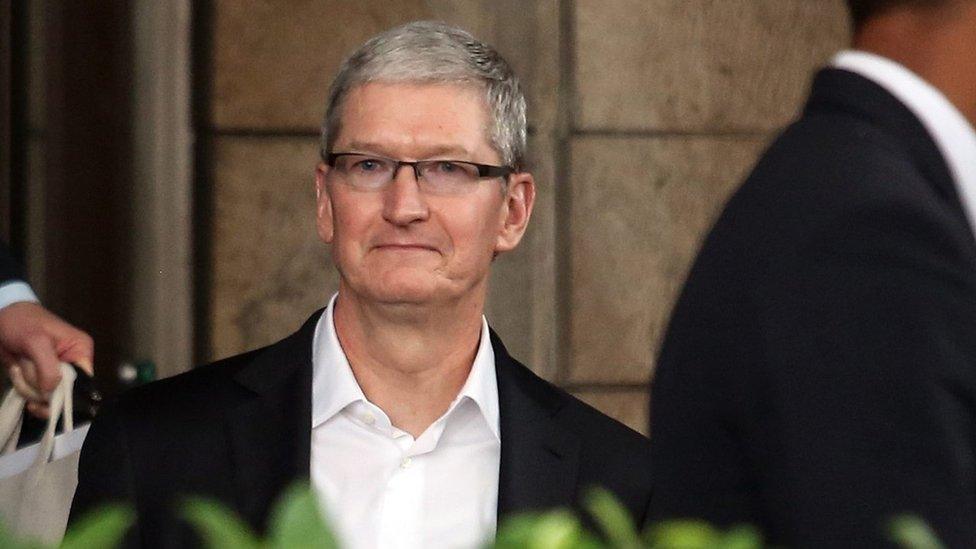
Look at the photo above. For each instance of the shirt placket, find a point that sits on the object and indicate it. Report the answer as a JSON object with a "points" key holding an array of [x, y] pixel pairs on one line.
{"points": [[402, 519]]}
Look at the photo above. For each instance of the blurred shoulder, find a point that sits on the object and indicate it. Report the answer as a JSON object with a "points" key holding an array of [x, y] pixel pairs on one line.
{"points": [[199, 391]]}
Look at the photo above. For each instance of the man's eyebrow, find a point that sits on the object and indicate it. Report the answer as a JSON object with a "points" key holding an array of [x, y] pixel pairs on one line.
{"points": [[446, 150], [429, 152]]}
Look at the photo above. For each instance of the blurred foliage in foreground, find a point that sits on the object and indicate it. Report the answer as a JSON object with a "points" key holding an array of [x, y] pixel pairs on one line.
{"points": [[297, 521]]}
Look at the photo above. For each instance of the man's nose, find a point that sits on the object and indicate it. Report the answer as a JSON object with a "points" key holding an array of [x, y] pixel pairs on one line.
{"points": [[405, 203]]}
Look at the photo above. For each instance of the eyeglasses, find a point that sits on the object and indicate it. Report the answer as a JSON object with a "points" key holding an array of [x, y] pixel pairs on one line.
{"points": [[370, 172]]}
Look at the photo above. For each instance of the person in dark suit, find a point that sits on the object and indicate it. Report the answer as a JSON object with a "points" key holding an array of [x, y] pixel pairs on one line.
{"points": [[818, 376], [398, 403], [33, 341]]}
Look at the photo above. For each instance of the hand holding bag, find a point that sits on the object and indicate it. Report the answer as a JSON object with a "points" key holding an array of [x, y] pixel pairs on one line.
{"points": [[38, 482]]}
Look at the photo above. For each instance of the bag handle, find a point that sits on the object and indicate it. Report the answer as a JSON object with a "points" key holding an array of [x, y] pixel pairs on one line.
{"points": [[61, 405], [11, 417], [61, 402]]}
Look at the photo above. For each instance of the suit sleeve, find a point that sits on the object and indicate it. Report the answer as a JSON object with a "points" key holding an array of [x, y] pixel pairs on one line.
{"points": [[12, 287], [105, 472], [9, 268], [845, 393]]}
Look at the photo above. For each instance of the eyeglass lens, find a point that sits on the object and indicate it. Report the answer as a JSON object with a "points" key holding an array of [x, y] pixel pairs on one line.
{"points": [[370, 172]]}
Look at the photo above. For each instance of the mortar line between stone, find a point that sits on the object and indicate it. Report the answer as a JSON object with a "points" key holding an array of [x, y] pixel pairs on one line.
{"points": [[566, 105], [628, 134]]}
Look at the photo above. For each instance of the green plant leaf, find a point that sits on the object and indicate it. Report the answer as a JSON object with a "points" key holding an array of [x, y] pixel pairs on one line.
{"points": [[220, 527], [742, 537], [515, 532], [682, 534], [553, 530], [912, 532], [613, 519], [102, 527], [297, 521]]}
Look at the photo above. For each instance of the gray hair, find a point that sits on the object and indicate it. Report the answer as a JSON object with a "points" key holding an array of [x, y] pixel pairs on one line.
{"points": [[433, 52]]}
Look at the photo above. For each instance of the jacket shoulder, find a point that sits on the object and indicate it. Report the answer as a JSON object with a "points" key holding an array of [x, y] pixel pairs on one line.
{"points": [[198, 391], [576, 415], [218, 384], [833, 178], [610, 454]]}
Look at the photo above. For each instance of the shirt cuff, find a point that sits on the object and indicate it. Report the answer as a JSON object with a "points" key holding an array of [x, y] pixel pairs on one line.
{"points": [[15, 292]]}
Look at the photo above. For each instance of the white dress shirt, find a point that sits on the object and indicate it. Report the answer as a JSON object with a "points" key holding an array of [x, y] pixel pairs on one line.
{"points": [[15, 291], [383, 488], [953, 134]]}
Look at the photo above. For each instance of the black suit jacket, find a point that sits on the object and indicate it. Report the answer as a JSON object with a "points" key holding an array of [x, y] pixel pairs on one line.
{"points": [[9, 268], [239, 430], [819, 372]]}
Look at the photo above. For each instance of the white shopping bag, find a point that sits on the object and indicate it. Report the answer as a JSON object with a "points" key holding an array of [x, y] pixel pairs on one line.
{"points": [[38, 482]]}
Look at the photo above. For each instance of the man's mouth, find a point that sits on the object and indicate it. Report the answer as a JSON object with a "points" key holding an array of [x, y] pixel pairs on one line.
{"points": [[406, 247]]}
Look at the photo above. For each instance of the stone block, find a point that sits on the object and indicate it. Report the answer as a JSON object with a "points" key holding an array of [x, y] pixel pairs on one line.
{"points": [[699, 65], [639, 209], [273, 61], [269, 269], [628, 407]]}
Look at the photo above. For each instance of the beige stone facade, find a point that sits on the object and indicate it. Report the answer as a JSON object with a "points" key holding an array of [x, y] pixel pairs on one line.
{"points": [[644, 114]]}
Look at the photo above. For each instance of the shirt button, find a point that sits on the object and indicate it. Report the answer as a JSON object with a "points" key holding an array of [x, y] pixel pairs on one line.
{"points": [[369, 418], [405, 463]]}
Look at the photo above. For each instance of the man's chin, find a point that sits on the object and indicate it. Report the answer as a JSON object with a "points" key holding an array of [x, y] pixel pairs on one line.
{"points": [[408, 290], [406, 286]]}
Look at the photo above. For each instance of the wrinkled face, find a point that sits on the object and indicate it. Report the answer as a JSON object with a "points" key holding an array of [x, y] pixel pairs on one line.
{"points": [[400, 243]]}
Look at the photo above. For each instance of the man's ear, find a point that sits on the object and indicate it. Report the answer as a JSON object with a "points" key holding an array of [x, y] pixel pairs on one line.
{"points": [[324, 221], [516, 211]]}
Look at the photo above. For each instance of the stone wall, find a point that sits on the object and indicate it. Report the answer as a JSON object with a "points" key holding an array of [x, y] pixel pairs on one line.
{"points": [[644, 114]]}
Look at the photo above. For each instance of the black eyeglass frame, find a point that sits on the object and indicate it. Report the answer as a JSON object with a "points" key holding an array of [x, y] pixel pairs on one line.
{"points": [[484, 170]]}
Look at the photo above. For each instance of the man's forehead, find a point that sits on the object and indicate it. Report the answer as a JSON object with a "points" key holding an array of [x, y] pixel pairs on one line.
{"points": [[428, 118]]}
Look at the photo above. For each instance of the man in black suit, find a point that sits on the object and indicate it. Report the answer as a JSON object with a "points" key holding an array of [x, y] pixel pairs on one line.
{"points": [[33, 341], [399, 404], [818, 377]]}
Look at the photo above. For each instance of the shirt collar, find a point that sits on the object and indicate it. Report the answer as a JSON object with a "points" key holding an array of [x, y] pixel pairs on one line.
{"points": [[482, 385], [953, 134], [334, 387]]}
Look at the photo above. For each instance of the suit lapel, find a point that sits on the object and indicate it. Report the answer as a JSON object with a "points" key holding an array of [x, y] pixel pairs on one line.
{"points": [[270, 431], [539, 457]]}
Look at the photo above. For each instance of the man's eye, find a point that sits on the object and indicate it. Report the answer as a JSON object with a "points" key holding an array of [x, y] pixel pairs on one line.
{"points": [[367, 165], [447, 167]]}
